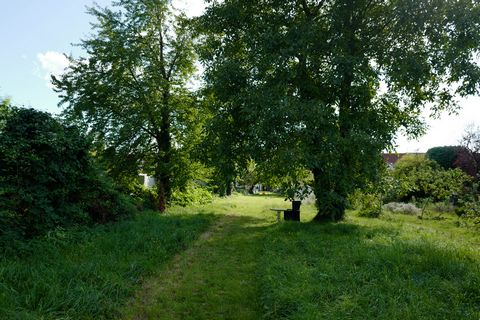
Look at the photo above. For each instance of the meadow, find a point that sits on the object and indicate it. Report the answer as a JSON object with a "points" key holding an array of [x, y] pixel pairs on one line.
{"points": [[232, 260]]}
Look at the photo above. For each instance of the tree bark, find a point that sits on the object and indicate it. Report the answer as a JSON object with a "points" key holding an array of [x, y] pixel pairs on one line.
{"points": [[228, 188], [330, 203], [163, 165]]}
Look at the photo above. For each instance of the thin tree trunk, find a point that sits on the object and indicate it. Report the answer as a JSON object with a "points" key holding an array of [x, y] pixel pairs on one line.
{"points": [[164, 174], [161, 197], [228, 188]]}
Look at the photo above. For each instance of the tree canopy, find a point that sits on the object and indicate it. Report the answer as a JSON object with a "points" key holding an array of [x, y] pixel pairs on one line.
{"points": [[444, 156], [131, 91], [325, 85]]}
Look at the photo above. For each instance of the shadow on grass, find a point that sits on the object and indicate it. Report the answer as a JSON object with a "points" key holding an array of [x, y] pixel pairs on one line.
{"points": [[344, 270]]}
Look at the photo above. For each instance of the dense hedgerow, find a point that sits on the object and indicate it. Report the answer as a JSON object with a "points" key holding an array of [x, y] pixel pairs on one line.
{"points": [[48, 178]]}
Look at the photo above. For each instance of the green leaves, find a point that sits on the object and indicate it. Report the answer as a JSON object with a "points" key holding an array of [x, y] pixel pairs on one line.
{"points": [[47, 178], [326, 85], [422, 178], [131, 90]]}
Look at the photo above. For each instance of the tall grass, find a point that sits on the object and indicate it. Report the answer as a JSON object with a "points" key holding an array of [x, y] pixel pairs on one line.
{"points": [[90, 273], [369, 269]]}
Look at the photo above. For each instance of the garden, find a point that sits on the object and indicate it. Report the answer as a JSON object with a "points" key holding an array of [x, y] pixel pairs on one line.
{"points": [[150, 195]]}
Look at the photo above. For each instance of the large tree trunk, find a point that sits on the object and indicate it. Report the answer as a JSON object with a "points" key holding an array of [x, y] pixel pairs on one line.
{"points": [[330, 203], [331, 192]]}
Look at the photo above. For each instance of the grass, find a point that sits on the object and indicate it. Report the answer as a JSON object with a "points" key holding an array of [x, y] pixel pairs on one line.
{"points": [[370, 269], [246, 266], [91, 273]]}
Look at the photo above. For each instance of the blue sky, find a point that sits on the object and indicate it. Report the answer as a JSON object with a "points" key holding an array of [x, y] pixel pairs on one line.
{"points": [[34, 34]]}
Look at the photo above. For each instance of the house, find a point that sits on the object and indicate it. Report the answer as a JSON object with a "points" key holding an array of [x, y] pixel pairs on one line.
{"points": [[146, 180]]}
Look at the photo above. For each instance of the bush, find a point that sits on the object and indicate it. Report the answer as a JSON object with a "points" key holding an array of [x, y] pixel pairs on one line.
{"points": [[48, 179], [469, 210], [403, 208], [367, 204], [145, 198], [192, 194]]}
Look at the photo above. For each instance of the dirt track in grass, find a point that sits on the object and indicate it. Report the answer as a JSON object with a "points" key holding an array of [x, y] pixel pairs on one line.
{"points": [[213, 279]]}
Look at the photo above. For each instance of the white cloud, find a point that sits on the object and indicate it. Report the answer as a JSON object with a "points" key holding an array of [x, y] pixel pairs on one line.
{"points": [[52, 63]]}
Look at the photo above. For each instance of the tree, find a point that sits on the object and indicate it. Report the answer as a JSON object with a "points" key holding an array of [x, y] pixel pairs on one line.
{"points": [[131, 91], [444, 156], [226, 145], [469, 159], [423, 178], [314, 71]]}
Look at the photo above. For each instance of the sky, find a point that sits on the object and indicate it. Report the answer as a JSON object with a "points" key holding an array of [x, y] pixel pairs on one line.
{"points": [[35, 35]]}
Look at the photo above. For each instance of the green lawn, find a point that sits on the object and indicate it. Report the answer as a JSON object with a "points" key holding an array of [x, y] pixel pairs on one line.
{"points": [[231, 260]]}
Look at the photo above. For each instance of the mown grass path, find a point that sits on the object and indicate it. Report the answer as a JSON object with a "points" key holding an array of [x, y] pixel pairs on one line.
{"points": [[213, 279], [247, 266]]}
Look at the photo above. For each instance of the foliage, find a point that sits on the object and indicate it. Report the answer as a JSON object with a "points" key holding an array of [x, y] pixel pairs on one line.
{"points": [[295, 185], [370, 205], [469, 210], [131, 92], [422, 178], [309, 73], [192, 194], [4, 111], [90, 273], [144, 197], [444, 156], [250, 176], [224, 146], [368, 201], [47, 178]]}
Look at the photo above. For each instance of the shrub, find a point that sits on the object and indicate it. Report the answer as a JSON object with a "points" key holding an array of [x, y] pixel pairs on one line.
{"points": [[367, 204], [48, 179], [469, 210], [192, 194], [403, 208], [145, 198]]}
